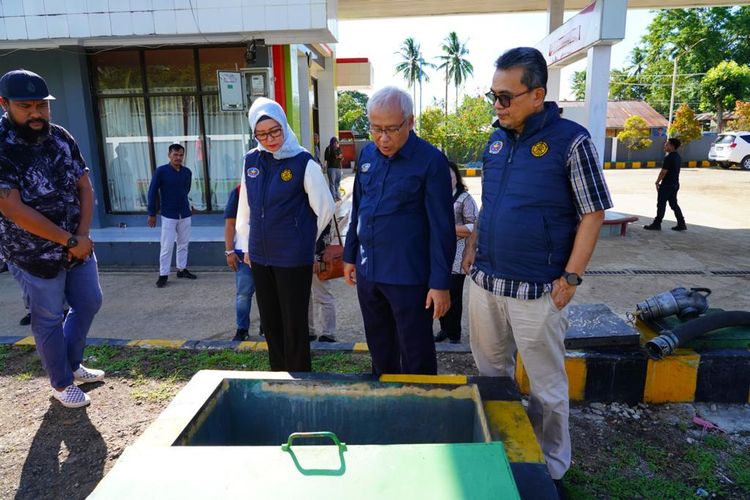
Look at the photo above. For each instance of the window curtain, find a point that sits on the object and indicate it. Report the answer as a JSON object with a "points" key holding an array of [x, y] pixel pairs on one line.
{"points": [[228, 136], [174, 119], [128, 165]]}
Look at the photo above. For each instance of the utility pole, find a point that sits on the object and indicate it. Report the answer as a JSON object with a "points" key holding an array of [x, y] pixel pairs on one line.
{"points": [[674, 81]]}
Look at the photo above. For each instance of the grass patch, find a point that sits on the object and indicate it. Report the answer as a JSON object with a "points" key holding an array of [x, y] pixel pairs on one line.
{"points": [[25, 376], [161, 393], [181, 364]]}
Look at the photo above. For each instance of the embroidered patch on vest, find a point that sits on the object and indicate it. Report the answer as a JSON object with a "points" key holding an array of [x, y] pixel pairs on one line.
{"points": [[539, 149], [364, 168], [286, 175], [253, 172], [496, 147]]}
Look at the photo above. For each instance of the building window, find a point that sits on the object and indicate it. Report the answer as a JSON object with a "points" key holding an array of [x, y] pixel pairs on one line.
{"points": [[148, 99]]}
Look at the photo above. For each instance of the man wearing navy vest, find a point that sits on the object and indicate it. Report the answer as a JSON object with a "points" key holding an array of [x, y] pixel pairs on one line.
{"points": [[401, 240], [543, 202]]}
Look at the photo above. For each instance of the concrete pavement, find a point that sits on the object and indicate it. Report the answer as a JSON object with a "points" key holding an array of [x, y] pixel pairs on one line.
{"points": [[623, 271]]}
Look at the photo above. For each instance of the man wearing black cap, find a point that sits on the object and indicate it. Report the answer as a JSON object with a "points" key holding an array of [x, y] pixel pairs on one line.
{"points": [[46, 206]]}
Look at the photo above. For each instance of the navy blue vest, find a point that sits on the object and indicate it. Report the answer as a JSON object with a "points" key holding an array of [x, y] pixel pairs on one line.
{"points": [[283, 227], [528, 220]]}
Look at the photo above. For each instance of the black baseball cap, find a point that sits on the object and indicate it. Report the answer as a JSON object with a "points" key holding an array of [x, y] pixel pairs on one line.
{"points": [[24, 85]]}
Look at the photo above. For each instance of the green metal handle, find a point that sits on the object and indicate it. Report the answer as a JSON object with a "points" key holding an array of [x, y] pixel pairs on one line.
{"points": [[322, 434]]}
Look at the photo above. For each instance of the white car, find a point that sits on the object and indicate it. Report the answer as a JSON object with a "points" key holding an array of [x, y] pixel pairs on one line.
{"points": [[731, 147]]}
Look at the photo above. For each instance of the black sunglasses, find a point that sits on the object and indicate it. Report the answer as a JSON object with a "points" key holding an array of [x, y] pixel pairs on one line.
{"points": [[503, 99]]}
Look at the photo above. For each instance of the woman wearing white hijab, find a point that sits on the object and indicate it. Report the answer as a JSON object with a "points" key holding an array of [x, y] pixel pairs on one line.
{"points": [[284, 206]]}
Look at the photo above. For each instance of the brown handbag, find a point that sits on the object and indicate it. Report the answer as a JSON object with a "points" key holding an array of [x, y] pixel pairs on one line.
{"points": [[332, 262]]}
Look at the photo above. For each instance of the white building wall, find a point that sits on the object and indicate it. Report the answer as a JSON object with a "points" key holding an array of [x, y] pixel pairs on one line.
{"points": [[92, 22]]}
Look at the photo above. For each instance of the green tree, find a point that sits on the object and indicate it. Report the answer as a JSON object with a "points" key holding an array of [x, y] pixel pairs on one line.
{"points": [[685, 127], [468, 129], [578, 85], [622, 86], [412, 66], [352, 110], [453, 61], [635, 134], [433, 126], [741, 116], [721, 33], [723, 86]]}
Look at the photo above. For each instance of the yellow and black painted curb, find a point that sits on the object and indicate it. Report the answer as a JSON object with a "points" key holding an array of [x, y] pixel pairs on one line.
{"points": [[627, 165], [613, 165], [705, 375]]}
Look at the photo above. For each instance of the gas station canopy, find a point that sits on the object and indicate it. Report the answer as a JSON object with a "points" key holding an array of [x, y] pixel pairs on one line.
{"points": [[367, 9]]}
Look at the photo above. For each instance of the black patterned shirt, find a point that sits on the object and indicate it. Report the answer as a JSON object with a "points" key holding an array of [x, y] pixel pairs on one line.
{"points": [[46, 175]]}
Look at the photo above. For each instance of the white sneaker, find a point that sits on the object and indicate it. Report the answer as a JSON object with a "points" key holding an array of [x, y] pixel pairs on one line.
{"points": [[87, 375], [71, 397]]}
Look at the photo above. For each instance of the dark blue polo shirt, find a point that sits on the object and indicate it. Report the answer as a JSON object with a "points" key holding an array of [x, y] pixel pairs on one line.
{"points": [[402, 230], [173, 188]]}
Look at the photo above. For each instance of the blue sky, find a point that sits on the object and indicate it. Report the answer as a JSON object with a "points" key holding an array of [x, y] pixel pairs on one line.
{"points": [[487, 36]]}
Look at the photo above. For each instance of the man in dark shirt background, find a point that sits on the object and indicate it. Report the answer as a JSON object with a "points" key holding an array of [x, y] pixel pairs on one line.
{"points": [[172, 183], [667, 185]]}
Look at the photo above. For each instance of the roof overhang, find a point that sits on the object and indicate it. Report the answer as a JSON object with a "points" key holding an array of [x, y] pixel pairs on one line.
{"points": [[368, 9]]}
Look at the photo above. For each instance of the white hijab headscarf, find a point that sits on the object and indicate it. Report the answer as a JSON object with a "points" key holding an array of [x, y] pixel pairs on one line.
{"points": [[266, 107], [289, 149]]}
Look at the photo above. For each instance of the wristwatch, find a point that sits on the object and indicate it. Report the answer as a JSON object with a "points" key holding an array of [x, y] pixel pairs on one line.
{"points": [[572, 278], [228, 252], [72, 242]]}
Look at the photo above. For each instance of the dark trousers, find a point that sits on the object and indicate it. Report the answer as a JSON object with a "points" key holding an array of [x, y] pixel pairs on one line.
{"points": [[398, 328], [668, 194], [283, 294], [450, 324]]}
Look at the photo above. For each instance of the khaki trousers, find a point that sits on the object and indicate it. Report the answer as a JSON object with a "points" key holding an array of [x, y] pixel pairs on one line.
{"points": [[499, 327]]}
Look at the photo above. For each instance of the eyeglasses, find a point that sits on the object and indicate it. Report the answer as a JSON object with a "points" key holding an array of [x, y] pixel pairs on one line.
{"points": [[503, 99], [274, 133], [387, 131]]}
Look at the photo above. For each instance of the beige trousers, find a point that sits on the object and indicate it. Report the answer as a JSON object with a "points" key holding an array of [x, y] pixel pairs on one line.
{"points": [[499, 327]]}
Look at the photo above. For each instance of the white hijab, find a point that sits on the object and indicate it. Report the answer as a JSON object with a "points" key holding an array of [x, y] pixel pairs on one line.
{"points": [[289, 149], [266, 107]]}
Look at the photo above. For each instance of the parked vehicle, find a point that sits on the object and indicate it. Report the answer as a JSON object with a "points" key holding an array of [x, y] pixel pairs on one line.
{"points": [[731, 148]]}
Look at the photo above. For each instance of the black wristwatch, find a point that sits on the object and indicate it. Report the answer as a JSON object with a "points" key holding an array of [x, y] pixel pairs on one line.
{"points": [[72, 242], [572, 278]]}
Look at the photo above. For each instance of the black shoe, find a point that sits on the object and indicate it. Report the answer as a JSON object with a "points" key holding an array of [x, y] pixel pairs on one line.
{"points": [[4, 267], [326, 338], [26, 320], [653, 227], [162, 281], [680, 227], [186, 274], [241, 335], [560, 488], [312, 337], [441, 336]]}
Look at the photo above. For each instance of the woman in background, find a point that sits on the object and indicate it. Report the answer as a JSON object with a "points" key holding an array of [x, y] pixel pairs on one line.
{"points": [[465, 213]]}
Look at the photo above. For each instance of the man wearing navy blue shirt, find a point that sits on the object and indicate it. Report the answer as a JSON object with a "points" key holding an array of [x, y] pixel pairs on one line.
{"points": [[171, 182], [401, 240]]}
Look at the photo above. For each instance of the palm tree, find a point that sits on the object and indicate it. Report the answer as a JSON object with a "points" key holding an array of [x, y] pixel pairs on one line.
{"points": [[412, 67], [637, 62], [457, 67]]}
